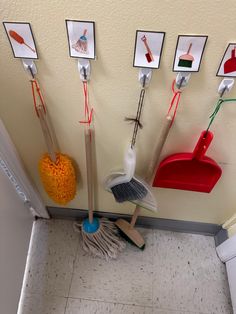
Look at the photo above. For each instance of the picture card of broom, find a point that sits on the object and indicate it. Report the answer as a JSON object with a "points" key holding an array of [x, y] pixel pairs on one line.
{"points": [[186, 60], [56, 170], [100, 237]]}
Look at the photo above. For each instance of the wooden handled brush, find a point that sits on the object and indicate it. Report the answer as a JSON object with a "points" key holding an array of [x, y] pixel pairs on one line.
{"points": [[19, 39]]}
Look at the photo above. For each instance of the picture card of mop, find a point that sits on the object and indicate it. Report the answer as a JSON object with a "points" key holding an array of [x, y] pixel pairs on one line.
{"points": [[21, 40], [227, 66], [189, 52], [81, 39], [148, 49]]}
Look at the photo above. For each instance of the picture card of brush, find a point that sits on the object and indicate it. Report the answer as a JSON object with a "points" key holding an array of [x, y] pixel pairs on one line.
{"points": [[189, 52], [81, 39], [227, 66], [21, 39], [148, 49]]}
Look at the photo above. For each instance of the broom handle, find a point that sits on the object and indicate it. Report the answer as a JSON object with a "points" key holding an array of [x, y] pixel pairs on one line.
{"points": [[154, 162], [47, 134], [89, 165]]}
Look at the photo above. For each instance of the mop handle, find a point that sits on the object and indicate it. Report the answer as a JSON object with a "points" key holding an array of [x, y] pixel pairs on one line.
{"points": [[89, 132], [41, 113], [89, 137]]}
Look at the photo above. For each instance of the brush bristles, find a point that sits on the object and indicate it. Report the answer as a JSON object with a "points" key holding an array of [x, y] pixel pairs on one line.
{"points": [[104, 243], [129, 191]]}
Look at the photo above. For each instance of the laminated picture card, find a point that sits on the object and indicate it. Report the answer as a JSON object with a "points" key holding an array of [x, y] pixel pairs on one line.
{"points": [[227, 66], [21, 39], [81, 39], [148, 49], [189, 52]]}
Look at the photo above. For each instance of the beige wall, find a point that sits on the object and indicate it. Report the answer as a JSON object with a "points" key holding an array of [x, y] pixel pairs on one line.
{"points": [[114, 93]]}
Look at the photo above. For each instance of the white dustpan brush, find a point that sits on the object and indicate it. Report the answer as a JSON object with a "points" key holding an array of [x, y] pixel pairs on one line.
{"points": [[100, 237]]}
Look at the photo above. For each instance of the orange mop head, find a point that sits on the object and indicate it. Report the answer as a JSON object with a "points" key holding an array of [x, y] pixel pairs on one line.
{"points": [[56, 170], [59, 179]]}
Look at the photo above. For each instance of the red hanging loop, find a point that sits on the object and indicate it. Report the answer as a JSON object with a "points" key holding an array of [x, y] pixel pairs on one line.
{"points": [[174, 101], [88, 113], [35, 88]]}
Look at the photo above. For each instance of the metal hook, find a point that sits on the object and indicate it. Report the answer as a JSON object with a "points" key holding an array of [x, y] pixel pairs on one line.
{"points": [[31, 71], [84, 69], [30, 67], [144, 77], [225, 86], [85, 74], [182, 79]]}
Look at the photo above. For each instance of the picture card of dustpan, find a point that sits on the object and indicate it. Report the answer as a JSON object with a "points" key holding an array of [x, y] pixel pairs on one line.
{"points": [[189, 52], [148, 49], [21, 39], [81, 39], [227, 66]]}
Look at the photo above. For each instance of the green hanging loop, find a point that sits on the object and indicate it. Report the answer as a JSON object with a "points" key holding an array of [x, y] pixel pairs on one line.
{"points": [[217, 108]]}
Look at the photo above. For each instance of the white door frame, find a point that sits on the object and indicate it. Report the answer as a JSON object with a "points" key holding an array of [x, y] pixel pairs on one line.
{"points": [[12, 166]]}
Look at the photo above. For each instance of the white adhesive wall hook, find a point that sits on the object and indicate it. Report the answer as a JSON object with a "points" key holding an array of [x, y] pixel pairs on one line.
{"points": [[29, 67], [182, 79], [225, 86], [145, 76], [84, 69]]}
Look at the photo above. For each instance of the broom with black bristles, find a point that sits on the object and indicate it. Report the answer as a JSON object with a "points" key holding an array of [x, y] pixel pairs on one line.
{"points": [[100, 237]]}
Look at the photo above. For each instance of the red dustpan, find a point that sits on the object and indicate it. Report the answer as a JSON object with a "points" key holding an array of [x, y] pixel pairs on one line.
{"points": [[189, 171]]}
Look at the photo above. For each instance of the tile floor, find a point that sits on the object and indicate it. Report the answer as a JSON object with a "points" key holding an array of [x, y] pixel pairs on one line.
{"points": [[176, 274]]}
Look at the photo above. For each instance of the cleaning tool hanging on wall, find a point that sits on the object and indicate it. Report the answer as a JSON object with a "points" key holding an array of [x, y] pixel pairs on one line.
{"points": [[128, 229], [193, 171], [100, 237], [56, 170], [125, 186], [186, 60], [180, 82]]}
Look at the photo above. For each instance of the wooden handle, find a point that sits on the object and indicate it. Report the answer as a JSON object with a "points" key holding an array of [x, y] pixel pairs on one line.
{"points": [[158, 149], [85, 31], [89, 133], [135, 215], [47, 134], [154, 162]]}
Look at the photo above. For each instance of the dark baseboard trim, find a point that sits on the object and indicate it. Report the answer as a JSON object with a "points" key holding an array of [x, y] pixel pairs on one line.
{"points": [[221, 236], [147, 222]]}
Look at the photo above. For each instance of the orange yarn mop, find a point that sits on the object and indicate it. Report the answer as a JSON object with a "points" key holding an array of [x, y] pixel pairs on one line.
{"points": [[56, 170]]}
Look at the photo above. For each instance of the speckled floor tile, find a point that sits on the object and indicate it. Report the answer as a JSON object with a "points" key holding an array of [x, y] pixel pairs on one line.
{"points": [[80, 306], [126, 280], [42, 304], [52, 258], [188, 275]]}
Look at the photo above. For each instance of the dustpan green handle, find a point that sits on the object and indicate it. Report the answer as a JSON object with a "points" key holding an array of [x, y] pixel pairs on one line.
{"points": [[217, 108]]}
